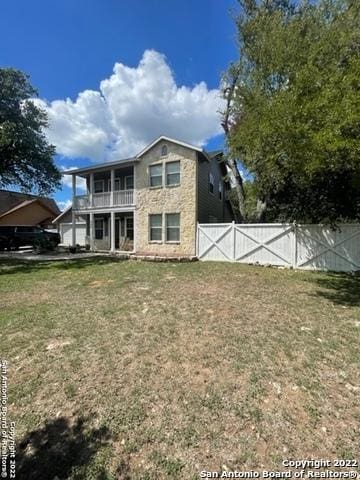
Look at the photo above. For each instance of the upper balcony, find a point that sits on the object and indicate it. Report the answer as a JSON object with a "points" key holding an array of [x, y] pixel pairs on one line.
{"points": [[117, 198], [105, 188]]}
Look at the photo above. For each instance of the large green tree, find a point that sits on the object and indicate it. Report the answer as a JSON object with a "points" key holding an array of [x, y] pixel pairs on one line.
{"points": [[294, 112], [26, 158]]}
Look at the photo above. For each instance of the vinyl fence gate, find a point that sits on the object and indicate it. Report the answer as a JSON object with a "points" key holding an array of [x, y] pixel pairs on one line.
{"points": [[311, 247]]}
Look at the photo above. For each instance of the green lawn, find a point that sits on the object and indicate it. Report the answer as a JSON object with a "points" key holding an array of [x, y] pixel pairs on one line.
{"points": [[134, 370]]}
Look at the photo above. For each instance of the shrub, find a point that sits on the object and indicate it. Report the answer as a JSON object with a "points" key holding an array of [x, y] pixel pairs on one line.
{"points": [[43, 244]]}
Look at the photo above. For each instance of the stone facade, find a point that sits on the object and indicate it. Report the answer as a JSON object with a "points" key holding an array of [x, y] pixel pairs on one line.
{"points": [[200, 196], [167, 199]]}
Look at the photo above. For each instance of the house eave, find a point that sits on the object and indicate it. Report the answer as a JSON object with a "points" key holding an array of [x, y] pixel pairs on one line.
{"points": [[101, 167], [62, 214], [168, 139], [131, 161]]}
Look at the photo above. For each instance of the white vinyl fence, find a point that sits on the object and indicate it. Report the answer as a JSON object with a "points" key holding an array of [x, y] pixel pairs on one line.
{"points": [[312, 247]]}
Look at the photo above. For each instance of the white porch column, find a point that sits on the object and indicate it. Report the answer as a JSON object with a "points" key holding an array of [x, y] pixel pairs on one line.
{"points": [[91, 190], [135, 213], [92, 231], [112, 231], [73, 217], [112, 186], [135, 216]]}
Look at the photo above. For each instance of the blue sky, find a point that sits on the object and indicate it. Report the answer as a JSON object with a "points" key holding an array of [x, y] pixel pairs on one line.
{"points": [[165, 50]]}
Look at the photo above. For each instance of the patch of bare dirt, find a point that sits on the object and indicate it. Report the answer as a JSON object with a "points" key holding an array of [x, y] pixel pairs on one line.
{"points": [[57, 344], [100, 283]]}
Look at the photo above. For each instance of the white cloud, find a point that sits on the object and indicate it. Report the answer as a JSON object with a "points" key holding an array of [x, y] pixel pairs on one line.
{"points": [[63, 205], [132, 107], [66, 180]]}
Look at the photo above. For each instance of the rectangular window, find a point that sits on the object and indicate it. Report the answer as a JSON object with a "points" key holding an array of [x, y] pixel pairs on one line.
{"points": [[220, 190], [155, 226], [99, 228], [129, 226], [155, 175], [211, 182], [117, 184], [129, 183], [173, 227], [99, 186], [172, 170]]}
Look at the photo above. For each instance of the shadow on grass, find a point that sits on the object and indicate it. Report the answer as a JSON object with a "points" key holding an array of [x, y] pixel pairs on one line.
{"points": [[60, 449], [340, 288], [9, 266]]}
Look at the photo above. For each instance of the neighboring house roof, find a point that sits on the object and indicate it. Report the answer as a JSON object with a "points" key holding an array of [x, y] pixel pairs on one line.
{"points": [[105, 165], [27, 203], [59, 217], [29, 212], [12, 201], [17, 207]]}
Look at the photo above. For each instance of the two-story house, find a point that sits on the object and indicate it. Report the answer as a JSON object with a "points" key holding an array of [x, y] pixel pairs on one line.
{"points": [[151, 203]]}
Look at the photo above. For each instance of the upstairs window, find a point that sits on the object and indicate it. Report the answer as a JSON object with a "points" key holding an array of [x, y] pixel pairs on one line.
{"points": [[155, 227], [129, 183], [99, 186], [220, 190], [211, 182], [155, 175], [117, 185], [173, 227], [172, 171], [164, 150]]}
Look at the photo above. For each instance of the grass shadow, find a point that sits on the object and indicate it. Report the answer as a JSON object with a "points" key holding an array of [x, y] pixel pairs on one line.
{"points": [[58, 449], [339, 288], [11, 266]]}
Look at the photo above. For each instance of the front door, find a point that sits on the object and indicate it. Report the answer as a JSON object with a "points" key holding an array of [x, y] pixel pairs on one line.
{"points": [[125, 233]]}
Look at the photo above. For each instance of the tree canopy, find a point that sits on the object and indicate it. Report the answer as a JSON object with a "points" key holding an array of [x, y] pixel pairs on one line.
{"points": [[26, 158], [295, 112]]}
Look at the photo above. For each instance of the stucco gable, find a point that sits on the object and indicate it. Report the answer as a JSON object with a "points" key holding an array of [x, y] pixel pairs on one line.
{"points": [[165, 139]]}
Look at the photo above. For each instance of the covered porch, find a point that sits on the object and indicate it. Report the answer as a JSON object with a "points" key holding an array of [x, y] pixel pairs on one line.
{"points": [[106, 188], [108, 231]]}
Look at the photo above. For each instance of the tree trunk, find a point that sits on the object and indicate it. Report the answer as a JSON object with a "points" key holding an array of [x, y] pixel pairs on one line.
{"points": [[239, 188], [260, 210], [229, 93]]}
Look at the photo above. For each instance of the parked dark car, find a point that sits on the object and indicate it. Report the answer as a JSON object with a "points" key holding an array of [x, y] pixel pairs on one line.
{"points": [[13, 237]]}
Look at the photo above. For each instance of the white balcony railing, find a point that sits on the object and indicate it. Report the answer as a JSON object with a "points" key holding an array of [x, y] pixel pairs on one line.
{"points": [[121, 198], [124, 197], [101, 199], [81, 202]]}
